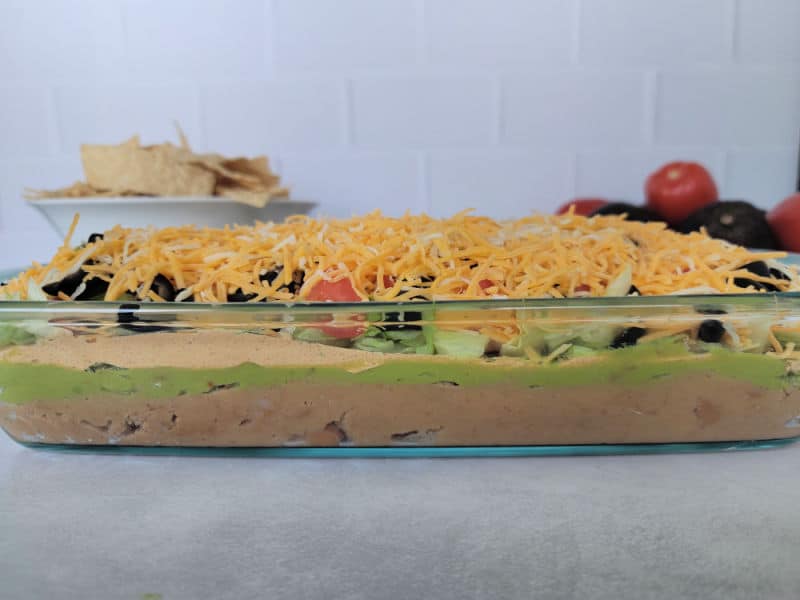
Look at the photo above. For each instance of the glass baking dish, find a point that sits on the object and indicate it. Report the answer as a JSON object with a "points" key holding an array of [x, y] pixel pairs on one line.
{"points": [[493, 377]]}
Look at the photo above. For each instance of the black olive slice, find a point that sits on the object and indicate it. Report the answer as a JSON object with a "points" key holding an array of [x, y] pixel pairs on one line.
{"points": [[778, 274], [92, 288], [292, 287], [759, 285], [269, 276], [67, 285], [296, 283], [130, 321], [710, 331], [164, 288], [95, 289], [127, 313], [759, 268], [708, 310], [628, 337], [635, 213], [400, 318], [240, 296]]}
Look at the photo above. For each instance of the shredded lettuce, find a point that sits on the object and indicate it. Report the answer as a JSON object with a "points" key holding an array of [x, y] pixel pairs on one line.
{"points": [[317, 336], [21, 333], [11, 335], [576, 351], [413, 337], [759, 329], [463, 344], [622, 283], [35, 293], [405, 341], [375, 344]]}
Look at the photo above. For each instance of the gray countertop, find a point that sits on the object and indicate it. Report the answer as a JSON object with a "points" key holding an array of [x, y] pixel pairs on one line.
{"points": [[719, 525]]}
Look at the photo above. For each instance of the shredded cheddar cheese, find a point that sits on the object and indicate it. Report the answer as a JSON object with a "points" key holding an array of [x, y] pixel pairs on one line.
{"points": [[411, 257]]}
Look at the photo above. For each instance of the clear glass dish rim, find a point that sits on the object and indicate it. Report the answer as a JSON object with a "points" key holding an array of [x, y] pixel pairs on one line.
{"points": [[765, 300], [395, 452]]}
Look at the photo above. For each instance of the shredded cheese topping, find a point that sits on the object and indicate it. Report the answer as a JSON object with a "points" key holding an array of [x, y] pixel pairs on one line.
{"points": [[411, 257]]}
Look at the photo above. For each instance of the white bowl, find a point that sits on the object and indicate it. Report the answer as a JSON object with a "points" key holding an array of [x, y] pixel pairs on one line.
{"points": [[100, 214]]}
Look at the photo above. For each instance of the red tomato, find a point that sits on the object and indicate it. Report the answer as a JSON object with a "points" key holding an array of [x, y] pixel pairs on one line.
{"points": [[388, 281], [678, 189], [333, 291], [785, 222], [337, 291], [583, 206]]}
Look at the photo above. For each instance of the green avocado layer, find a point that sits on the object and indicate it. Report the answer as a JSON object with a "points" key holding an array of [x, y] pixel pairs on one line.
{"points": [[635, 365]]}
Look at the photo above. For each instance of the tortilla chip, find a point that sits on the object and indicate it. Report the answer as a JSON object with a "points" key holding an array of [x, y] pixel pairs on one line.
{"points": [[79, 189], [256, 199], [255, 167], [167, 170], [182, 137], [155, 170], [216, 164]]}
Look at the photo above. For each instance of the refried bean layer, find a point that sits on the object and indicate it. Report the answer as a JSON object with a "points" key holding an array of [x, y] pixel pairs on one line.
{"points": [[653, 396], [694, 408]]}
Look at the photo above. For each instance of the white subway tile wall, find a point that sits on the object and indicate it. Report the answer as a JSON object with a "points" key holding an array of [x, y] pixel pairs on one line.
{"points": [[729, 107], [767, 32], [422, 113], [656, 32], [501, 182], [507, 106], [268, 117], [317, 35], [111, 113], [49, 41], [775, 170], [499, 32], [196, 41], [574, 109], [357, 183], [25, 122], [621, 174]]}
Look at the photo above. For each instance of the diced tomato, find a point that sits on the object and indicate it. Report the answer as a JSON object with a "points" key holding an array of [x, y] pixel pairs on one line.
{"points": [[583, 206], [338, 291], [485, 283], [785, 222], [583, 287], [333, 291], [388, 281], [678, 189]]}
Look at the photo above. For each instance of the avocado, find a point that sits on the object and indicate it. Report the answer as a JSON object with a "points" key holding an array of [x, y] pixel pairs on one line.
{"points": [[634, 213], [735, 221]]}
